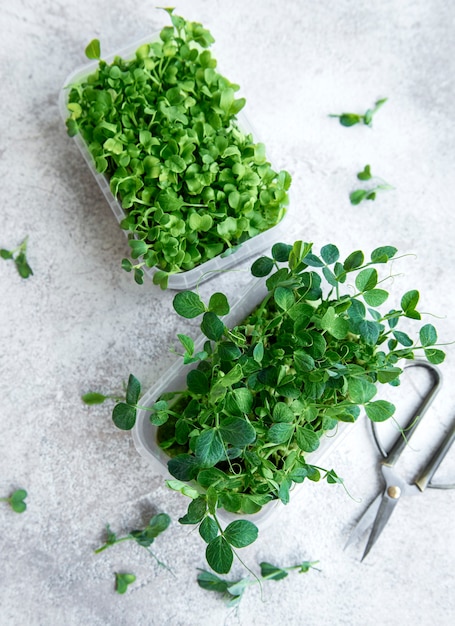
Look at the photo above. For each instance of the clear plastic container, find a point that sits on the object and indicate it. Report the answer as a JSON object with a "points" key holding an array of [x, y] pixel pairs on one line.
{"points": [[144, 432], [204, 271]]}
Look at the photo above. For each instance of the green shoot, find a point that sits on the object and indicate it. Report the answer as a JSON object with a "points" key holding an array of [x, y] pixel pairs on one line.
{"points": [[16, 500], [122, 581], [144, 537], [18, 255], [359, 195], [232, 591], [351, 119], [192, 183]]}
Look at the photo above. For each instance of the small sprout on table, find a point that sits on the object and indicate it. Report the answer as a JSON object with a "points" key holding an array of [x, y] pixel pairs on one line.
{"points": [[122, 581], [351, 119], [357, 196], [143, 537], [232, 591], [18, 255], [16, 500]]}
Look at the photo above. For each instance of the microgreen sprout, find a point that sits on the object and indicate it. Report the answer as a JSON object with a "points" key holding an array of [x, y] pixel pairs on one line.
{"points": [[18, 255], [232, 591], [16, 500], [350, 119], [162, 128], [122, 581], [145, 537], [357, 196]]}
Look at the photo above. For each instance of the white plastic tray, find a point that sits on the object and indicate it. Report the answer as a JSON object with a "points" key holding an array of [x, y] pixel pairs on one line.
{"points": [[201, 273]]}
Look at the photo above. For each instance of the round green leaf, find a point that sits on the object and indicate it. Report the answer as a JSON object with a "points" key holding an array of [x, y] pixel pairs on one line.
{"points": [[379, 410], [208, 529], [197, 382], [219, 555], [241, 533], [188, 304], [330, 253], [93, 50], [219, 304], [428, 335], [375, 297], [237, 431], [366, 279], [212, 327], [262, 267], [435, 356], [209, 448], [124, 416], [280, 432]]}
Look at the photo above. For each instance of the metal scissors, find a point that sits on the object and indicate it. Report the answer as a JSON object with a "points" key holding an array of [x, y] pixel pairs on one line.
{"points": [[382, 507]]}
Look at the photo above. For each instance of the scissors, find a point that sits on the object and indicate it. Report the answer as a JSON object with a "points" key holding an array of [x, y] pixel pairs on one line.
{"points": [[382, 507]]}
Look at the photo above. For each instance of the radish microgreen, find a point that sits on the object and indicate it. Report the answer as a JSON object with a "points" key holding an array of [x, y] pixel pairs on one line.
{"points": [[351, 119], [18, 255], [162, 128], [122, 581], [357, 196], [16, 500]]}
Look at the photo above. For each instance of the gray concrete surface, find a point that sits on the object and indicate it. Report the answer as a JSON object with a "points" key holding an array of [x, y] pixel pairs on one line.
{"points": [[81, 324]]}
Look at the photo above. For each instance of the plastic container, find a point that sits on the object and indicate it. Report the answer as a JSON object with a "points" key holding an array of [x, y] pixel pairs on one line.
{"points": [[204, 271], [144, 432]]}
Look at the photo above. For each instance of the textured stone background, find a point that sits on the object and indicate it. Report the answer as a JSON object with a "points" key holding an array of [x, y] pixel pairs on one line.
{"points": [[81, 323]]}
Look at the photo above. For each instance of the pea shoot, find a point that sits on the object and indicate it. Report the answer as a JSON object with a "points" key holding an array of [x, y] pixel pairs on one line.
{"points": [[357, 196], [351, 119], [122, 581], [18, 256]]}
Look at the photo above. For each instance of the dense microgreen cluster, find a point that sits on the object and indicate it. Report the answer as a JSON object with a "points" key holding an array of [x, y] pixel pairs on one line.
{"points": [[162, 127], [122, 581], [16, 500], [351, 119], [357, 196], [261, 395], [19, 256], [232, 590]]}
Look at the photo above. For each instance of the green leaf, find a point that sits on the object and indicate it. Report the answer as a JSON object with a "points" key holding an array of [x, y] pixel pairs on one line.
{"points": [[183, 467], [375, 297], [370, 331], [280, 432], [361, 390], [187, 343], [282, 413], [367, 279], [409, 301], [183, 488], [188, 304], [93, 50], [307, 440], [349, 119], [237, 431], [212, 327], [209, 448], [262, 267], [403, 338], [353, 261], [138, 247], [219, 304], [6, 254], [383, 254], [122, 581], [197, 382], [434, 356], [281, 251], [241, 533], [124, 416], [379, 410], [272, 572], [196, 511], [92, 397], [428, 335], [219, 555], [337, 326], [133, 390], [365, 174], [211, 582], [16, 500], [357, 196], [330, 253], [208, 529], [284, 298]]}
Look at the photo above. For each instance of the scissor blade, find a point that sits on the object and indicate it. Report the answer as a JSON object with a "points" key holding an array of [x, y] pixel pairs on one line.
{"points": [[386, 509], [364, 522]]}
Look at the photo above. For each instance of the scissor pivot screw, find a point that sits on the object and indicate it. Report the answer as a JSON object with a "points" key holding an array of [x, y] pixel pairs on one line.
{"points": [[394, 492]]}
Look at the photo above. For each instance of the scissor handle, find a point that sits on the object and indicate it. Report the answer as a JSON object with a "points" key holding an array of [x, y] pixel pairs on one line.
{"points": [[415, 418], [430, 469]]}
